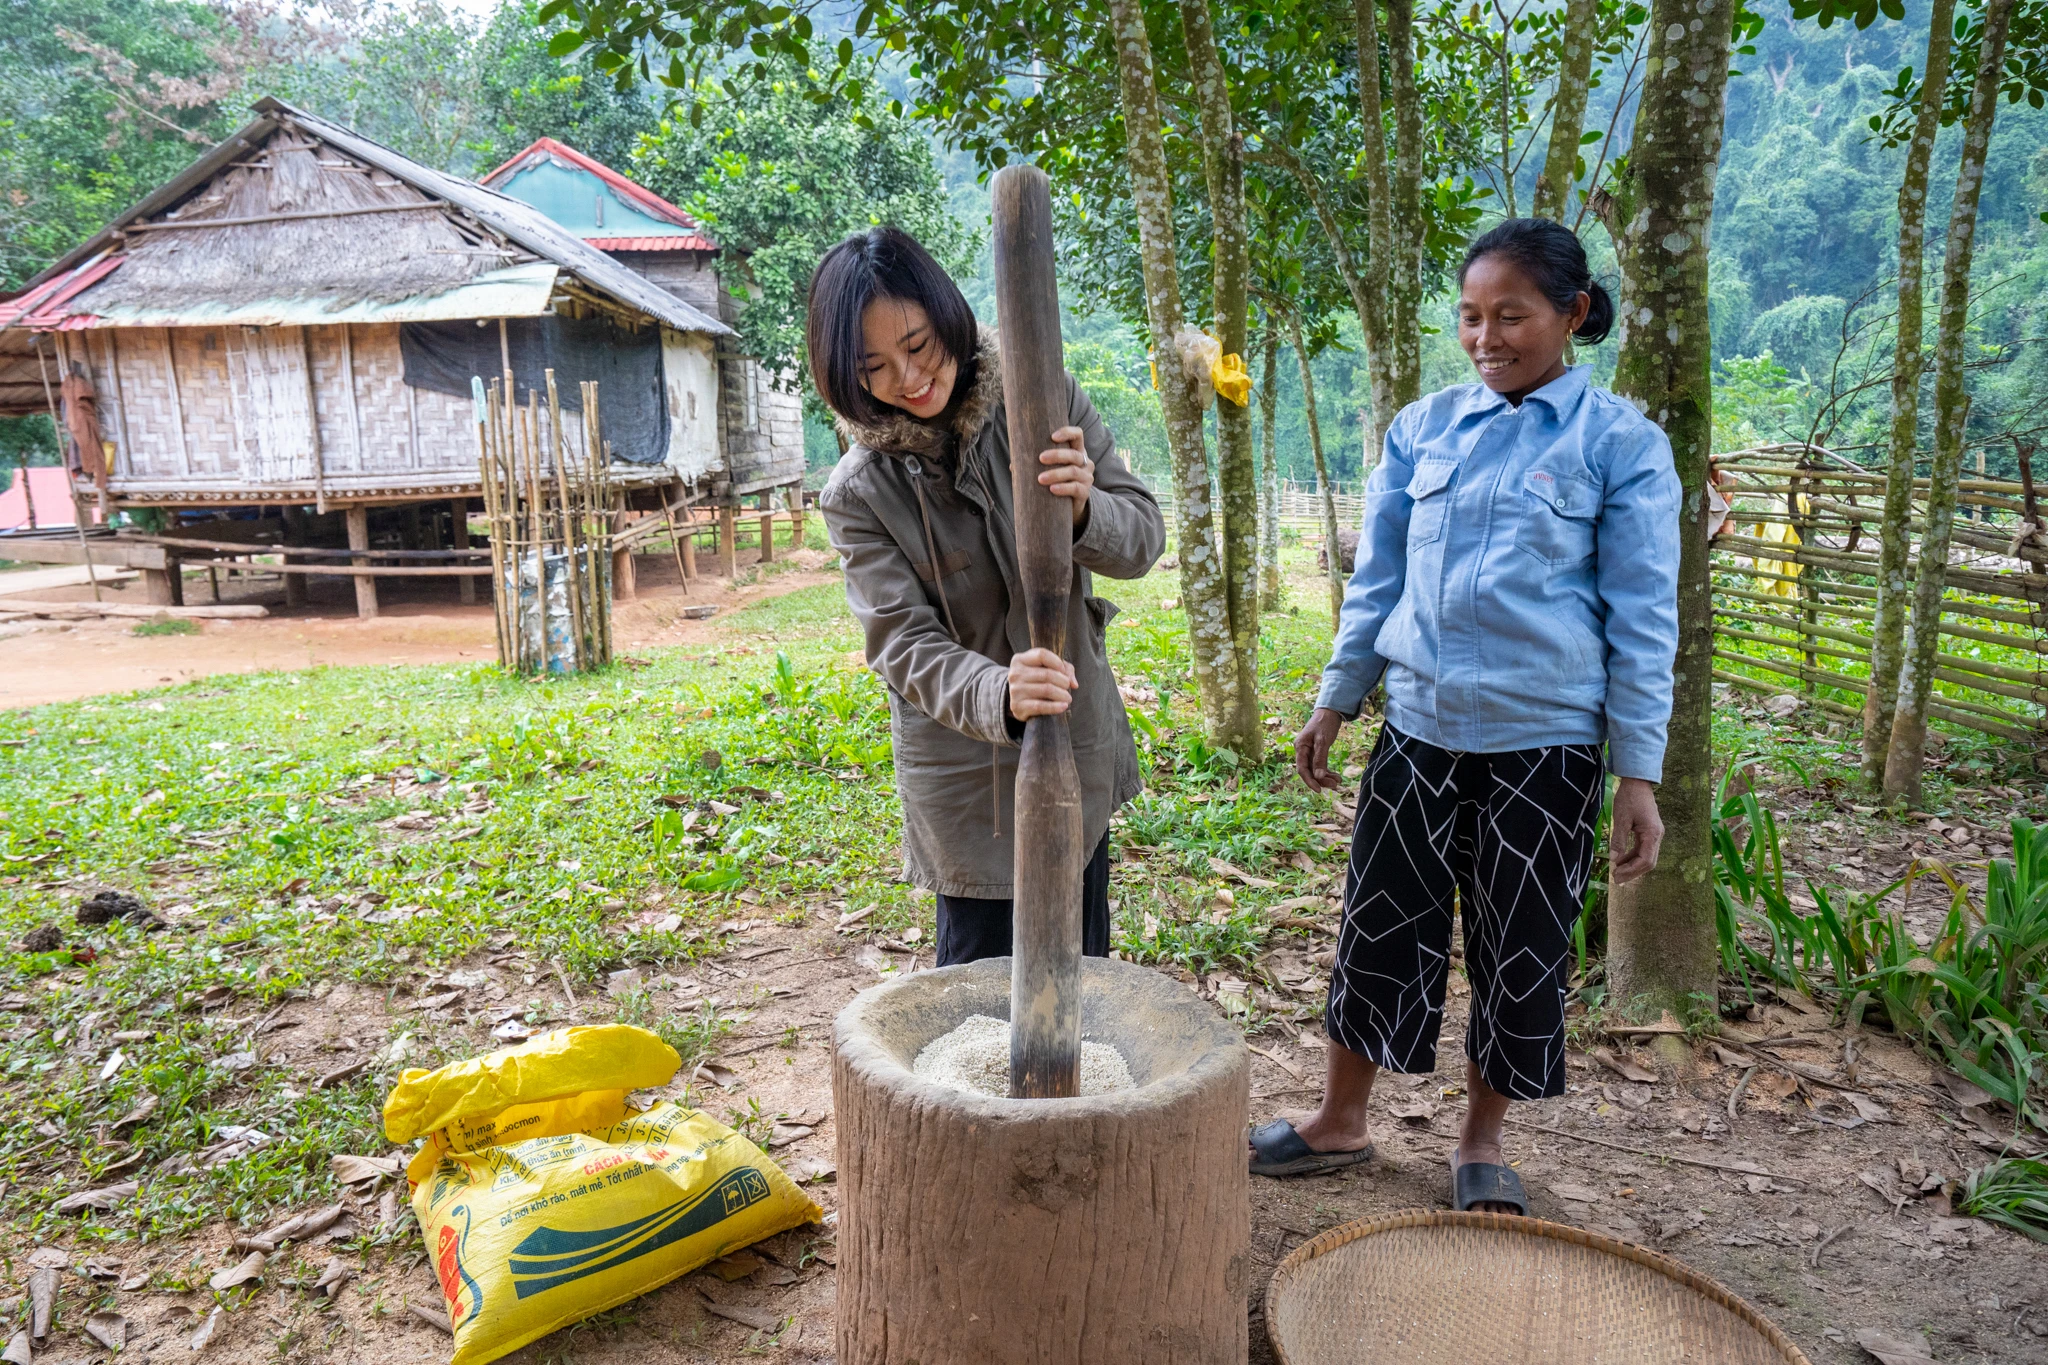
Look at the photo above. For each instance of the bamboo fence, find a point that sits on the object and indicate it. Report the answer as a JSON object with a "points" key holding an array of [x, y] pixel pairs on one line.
{"points": [[1795, 589], [550, 518]]}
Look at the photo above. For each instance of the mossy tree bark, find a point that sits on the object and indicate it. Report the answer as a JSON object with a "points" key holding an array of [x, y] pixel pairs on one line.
{"points": [[1661, 942], [1404, 291], [1211, 640], [1236, 467], [1375, 312], [1902, 768], [1568, 112], [1269, 470], [1368, 300], [1895, 544], [1333, 557]]}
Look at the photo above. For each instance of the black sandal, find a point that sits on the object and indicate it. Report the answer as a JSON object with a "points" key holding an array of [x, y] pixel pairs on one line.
{"points": [[1282, 1151], [1483, 1182]]}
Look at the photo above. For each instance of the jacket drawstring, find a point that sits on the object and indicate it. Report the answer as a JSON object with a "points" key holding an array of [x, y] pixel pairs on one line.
{"points": [[931, 549]]}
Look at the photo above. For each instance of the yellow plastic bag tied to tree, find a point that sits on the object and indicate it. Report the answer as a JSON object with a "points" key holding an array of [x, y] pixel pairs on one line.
{"points": [[544, 1198], [1200, 351]]}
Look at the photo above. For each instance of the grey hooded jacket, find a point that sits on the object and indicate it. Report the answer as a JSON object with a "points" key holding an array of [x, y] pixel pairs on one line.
{"points": [[941, 637]]}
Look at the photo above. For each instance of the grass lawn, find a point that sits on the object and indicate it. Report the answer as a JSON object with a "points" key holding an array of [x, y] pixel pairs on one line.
{"points": [[379, 826]]}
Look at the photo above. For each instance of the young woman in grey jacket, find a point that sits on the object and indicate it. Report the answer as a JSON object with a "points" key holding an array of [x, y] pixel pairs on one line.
{"points": [[919, 510]]}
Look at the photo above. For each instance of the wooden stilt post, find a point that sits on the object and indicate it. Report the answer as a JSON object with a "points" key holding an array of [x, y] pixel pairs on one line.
{"points": [[458, 528], [1045, 970], [729, 541], [624, 588], [689, 544], [796, 516], [358, 519], [768, 527], [294, 534]]}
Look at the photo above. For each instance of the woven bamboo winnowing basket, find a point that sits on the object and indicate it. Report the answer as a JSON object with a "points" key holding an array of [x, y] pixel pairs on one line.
{"points": [[1424, 1287]]}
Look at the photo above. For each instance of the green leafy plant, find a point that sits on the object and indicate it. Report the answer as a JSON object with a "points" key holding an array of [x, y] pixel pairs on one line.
{"points": [[2012, 1192]]}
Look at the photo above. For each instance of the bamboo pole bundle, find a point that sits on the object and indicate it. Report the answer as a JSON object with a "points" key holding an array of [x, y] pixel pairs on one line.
{"points": [[546, 501]]}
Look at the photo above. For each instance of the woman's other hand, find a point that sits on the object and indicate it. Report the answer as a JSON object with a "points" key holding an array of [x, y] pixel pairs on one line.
{"points": [[1312, 749], [1072, 473], [1635, 831], [1041, 682]]}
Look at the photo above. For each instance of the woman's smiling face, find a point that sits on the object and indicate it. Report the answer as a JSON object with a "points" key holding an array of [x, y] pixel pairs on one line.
{"points": [[1515, 336], [902, 362]]}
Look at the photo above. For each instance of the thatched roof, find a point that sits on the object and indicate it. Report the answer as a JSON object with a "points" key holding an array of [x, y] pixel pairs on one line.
{"points": [[310, 212]]}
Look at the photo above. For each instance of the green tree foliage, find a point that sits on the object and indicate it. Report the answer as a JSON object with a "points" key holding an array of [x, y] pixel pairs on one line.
{"points": [[100, 101], [781, 167]]}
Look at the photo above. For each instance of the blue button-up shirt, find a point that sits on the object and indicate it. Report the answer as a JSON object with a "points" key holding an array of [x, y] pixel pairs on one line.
{"points": [[1517, 576]]}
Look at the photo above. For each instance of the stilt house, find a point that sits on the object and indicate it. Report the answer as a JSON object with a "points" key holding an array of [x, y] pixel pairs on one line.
{"points": [[294, 322]]}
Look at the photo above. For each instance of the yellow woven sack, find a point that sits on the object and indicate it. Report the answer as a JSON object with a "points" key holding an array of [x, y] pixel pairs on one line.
{"points": [[552, 1224]]}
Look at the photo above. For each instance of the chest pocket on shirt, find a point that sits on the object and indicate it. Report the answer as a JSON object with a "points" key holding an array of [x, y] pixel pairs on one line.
{"points": [[1558, 514], [1428, 486]]}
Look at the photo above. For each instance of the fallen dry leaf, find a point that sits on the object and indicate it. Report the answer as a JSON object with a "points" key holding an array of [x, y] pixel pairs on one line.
{"points": [[354, 1170], [134, 1117], [804, 1169], [1966, 1094], [1237, 874], [1776, 1084], [785, 1133], [108, 1329], [1277, 1060], [432, 1317], [1895, 1350], [775, 1275], [103, 1199], [208, 1330], [1577, 1194], [334, 1277], [737, 1266], [1622, 1066], [1414, 1110], [18, 1351], [718, 1073], [249, 1268]]}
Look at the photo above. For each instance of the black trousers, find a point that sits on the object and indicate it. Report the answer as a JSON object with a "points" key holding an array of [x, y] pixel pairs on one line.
{"points": [[1508, 839], [971, 928]]}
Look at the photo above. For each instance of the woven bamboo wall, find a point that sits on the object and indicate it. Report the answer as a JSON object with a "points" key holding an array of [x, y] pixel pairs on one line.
{"points": [[1795, 590], [219, 409]]}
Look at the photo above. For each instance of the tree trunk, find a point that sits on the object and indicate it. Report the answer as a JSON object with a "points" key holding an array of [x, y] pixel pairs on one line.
{"points": [[1894, 589], [1236, 467], [1269, 482], [1568, 112], [1951, 413], [1364, 298], [1405, 289], [1202, 585], [1377, 311], [1332, 554], [1662, 951]]}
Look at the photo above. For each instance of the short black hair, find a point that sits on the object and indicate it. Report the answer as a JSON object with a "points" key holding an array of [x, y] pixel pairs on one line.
{"points": [[881, 263], [1550, 254]]}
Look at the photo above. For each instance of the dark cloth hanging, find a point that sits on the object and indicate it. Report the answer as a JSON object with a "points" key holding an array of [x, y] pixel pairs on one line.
{"points": [[626, 363]]}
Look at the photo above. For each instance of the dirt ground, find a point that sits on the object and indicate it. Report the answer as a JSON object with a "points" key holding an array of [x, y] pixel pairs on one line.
{"points": [[420, 622], [1803, 1197]]}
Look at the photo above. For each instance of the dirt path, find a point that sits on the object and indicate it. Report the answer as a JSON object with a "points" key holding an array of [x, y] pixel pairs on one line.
{"points": [[57, 660], [1828, 1233]]}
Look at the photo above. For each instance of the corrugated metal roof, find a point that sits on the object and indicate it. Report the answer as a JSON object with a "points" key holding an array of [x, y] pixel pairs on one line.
{"points": [[639, 194], [689, 242], [518, 291], [518, 222]]}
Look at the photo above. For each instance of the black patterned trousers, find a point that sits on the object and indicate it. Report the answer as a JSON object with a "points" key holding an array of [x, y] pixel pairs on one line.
{"points": [[1507, 838]]}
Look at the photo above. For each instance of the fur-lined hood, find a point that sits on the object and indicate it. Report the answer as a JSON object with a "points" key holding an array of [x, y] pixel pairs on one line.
{"points": [[901, 435]]}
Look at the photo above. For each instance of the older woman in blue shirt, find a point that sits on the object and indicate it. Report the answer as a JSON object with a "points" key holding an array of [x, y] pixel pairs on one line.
{"points": [[1516, 596]]}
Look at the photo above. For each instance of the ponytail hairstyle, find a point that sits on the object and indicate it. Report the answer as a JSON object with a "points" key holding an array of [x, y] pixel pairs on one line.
{"points": [[1550, 254]]}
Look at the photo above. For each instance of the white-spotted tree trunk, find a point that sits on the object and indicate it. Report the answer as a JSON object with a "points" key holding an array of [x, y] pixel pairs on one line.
{"points": [[1662, 951], [1903, 762]]}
